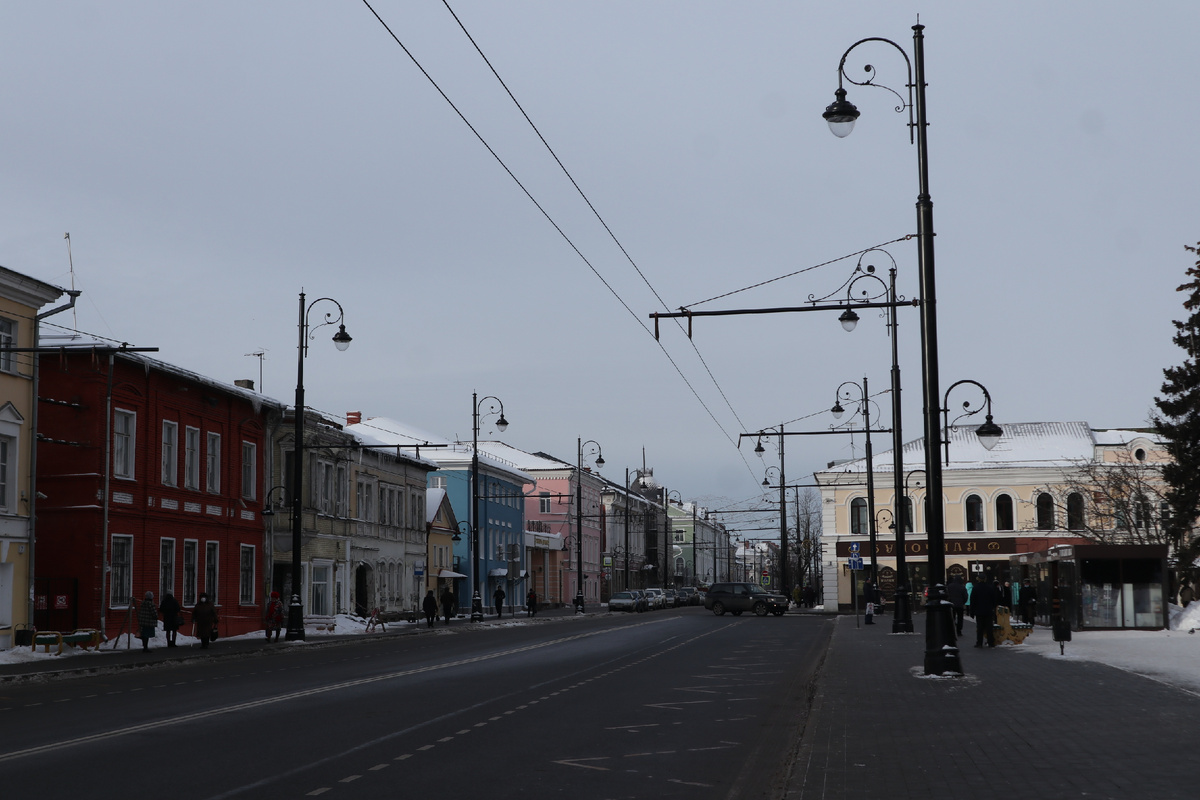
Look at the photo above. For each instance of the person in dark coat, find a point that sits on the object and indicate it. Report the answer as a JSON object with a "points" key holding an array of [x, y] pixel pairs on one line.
{"points": [[956, 593], [1028, 601], [147, 617], [984, 599], [430, 607], [273, 618], [204, 616], [498, 597], [170, 610], [531, 603], [447, 604]]}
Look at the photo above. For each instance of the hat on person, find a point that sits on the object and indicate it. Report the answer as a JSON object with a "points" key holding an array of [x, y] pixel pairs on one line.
{"points": [[149, 595], [275, 594]]}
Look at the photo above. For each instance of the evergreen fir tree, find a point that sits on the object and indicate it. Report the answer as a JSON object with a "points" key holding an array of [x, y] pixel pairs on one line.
{"points": [[1178, 423]]}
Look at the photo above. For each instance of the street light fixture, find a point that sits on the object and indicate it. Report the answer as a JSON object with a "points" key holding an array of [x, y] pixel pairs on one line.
{"points": [[863, 402], [579, 598], [495, 407], [341, 339], [783, 544], [941, 648], [989, 432]]}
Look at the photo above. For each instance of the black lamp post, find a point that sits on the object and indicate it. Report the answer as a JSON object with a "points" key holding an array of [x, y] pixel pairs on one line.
{"points": [[783, 548], [295, 627], [668, 536], [579, 598], [864, 407], [989, 432], [501, 424], [941, 648]]}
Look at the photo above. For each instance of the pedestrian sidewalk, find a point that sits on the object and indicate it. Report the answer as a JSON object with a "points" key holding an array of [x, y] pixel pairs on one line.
{"points": [[126, 653], [1019, 722]]}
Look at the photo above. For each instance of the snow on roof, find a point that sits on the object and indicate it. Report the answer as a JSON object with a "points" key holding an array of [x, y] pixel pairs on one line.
{"points": [[452, 455], [1023, 444], [521, 459]]}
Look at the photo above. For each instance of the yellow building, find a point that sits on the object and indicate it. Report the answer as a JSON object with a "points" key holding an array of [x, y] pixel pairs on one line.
{"points": [[21, 297], [1026, 495]]}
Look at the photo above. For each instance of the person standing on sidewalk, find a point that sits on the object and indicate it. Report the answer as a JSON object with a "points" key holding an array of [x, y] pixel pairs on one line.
{"points": [[273, 620], [956, 593], [871, 598], [447, 604], [984, 599], [429, 606], [172, 616], [1028, 601], [204, 616], [499, 598], [147, 617], [531, 603]]}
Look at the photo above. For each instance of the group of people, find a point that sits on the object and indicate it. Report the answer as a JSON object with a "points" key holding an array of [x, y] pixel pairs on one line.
{"points": [[449, 607], [979, 598], [805, 597], [204, 618]]}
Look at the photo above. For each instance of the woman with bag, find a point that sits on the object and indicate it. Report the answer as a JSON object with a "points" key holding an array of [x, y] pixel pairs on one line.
{"points": [[204, 617], [147, 617]]}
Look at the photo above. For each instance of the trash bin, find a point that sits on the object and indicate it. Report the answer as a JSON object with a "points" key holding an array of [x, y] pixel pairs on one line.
{"points": [[22, 636]]}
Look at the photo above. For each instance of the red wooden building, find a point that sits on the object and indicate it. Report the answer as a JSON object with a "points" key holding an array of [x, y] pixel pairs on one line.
{"points": [[153, 481]]}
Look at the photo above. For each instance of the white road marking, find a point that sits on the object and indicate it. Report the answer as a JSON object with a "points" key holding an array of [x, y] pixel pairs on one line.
{"points": [[575, 762]]}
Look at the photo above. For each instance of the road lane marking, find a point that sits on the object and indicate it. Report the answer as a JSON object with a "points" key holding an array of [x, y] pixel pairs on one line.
{"points": [[378, 767], [350, 779], [575, 762]]}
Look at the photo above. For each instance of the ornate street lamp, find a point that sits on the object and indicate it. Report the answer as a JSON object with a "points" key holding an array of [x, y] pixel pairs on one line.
{"points": [[863, 402], [589, 445], [496, 407], [941, 648], [341, 339], [989, 432]]}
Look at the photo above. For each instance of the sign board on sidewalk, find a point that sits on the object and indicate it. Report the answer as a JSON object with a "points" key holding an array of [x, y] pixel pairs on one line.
{"points": [[856, 562]]}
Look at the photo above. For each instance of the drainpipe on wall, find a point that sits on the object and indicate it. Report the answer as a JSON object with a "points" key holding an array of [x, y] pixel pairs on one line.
{"points": [[33, 446]]}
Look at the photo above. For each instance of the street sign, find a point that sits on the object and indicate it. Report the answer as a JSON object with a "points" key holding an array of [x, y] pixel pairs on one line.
{"points": [[856, 562], [854, 547], [765, 580]]}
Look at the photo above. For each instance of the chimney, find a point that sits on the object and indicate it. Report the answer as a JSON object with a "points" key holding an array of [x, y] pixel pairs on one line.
{"points": [[244, 383], [353, 417]]}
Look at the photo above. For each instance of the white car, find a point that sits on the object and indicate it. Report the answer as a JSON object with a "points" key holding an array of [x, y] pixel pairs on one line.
{"points": [[657, 598]]}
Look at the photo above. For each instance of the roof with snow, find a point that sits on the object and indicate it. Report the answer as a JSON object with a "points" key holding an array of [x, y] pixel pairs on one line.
{"points": [[450, 455]]}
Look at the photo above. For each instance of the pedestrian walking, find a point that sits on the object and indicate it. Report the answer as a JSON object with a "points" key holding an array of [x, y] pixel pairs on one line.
{"points": [[970, 612], [430, 607], [871, 597], [498, 596], [956, 593], [147, 617], [984, 599], [1028, 601], [447, 604], [204, 618], [531, 603], [810, 596], [172, 615], [273, 618], [1185, 593]]}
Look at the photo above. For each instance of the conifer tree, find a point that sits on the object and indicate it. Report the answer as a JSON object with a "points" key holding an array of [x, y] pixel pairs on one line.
{"points": [[1178, 423]]}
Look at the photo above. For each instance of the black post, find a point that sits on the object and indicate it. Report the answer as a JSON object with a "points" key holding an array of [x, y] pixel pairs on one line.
{"points": [[295, 626], [579, 599], [783, 548], [901, 610], [476, 598]]}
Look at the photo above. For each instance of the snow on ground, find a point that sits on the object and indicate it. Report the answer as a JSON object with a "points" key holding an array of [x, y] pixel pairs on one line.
{"points": [[1170, 656]]}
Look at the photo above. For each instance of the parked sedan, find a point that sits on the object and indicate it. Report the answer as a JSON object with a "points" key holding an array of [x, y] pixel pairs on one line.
{"points": [[670, 599], [655, 596], [622, 601], [641, 603], [688, 596]]}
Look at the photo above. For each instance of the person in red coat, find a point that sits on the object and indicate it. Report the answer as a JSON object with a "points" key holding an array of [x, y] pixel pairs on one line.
{"points": [[273, 620]]}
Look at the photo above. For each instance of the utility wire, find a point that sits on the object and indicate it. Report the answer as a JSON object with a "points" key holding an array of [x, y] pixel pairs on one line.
{"points": [[551, 220]]}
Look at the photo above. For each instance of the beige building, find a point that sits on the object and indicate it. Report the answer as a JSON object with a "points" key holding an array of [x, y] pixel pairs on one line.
{"points": [[21, 297], [1024, 496]]}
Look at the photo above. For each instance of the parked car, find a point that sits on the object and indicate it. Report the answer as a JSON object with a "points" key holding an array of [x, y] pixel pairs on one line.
{"points": [[688, 596], [655, 596], [622, 601], [739, 597], [641, 602], [671, 599]]}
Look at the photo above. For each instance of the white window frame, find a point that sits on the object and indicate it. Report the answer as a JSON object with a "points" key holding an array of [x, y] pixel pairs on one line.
{"points": [[170, 453], [191, 458], [124, 443], [341, 491], [212, 570], [166, 567], [324, 569], [212, 460], [8, 448], [246, 580], [437, 481], [191, 572], [120, 562], [249, 470], [323, 487], [8, 338]]}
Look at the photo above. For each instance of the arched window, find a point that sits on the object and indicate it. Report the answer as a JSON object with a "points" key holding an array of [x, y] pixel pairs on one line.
{"points": [[1004, 513], [908, 515], [1075, 517], [1045, 512], [974, 512], [858, 516]]}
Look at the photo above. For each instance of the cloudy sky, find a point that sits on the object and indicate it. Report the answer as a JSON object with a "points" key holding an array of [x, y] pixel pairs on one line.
{"points": [[211, 160]]}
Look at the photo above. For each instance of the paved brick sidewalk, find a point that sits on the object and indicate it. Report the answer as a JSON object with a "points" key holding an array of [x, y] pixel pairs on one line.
{"points": [[1017, 725]]}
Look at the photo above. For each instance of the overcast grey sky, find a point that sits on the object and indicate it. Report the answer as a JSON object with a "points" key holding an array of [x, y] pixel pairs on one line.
{"points": [[210, 160]]}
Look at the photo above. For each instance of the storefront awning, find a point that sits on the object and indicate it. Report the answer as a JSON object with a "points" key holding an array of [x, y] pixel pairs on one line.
{"points": [[449, 573], [497, 572]]}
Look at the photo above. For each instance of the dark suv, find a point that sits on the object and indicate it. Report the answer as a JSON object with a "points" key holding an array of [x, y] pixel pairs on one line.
{"points": [[739, 597]]}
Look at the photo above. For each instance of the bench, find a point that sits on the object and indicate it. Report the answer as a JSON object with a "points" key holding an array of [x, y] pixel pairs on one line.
{"points": [[1005, 630], [80, 637]]}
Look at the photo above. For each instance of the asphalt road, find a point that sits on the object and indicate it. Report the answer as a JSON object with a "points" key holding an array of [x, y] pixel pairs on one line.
{"points": [[668, 704]]}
